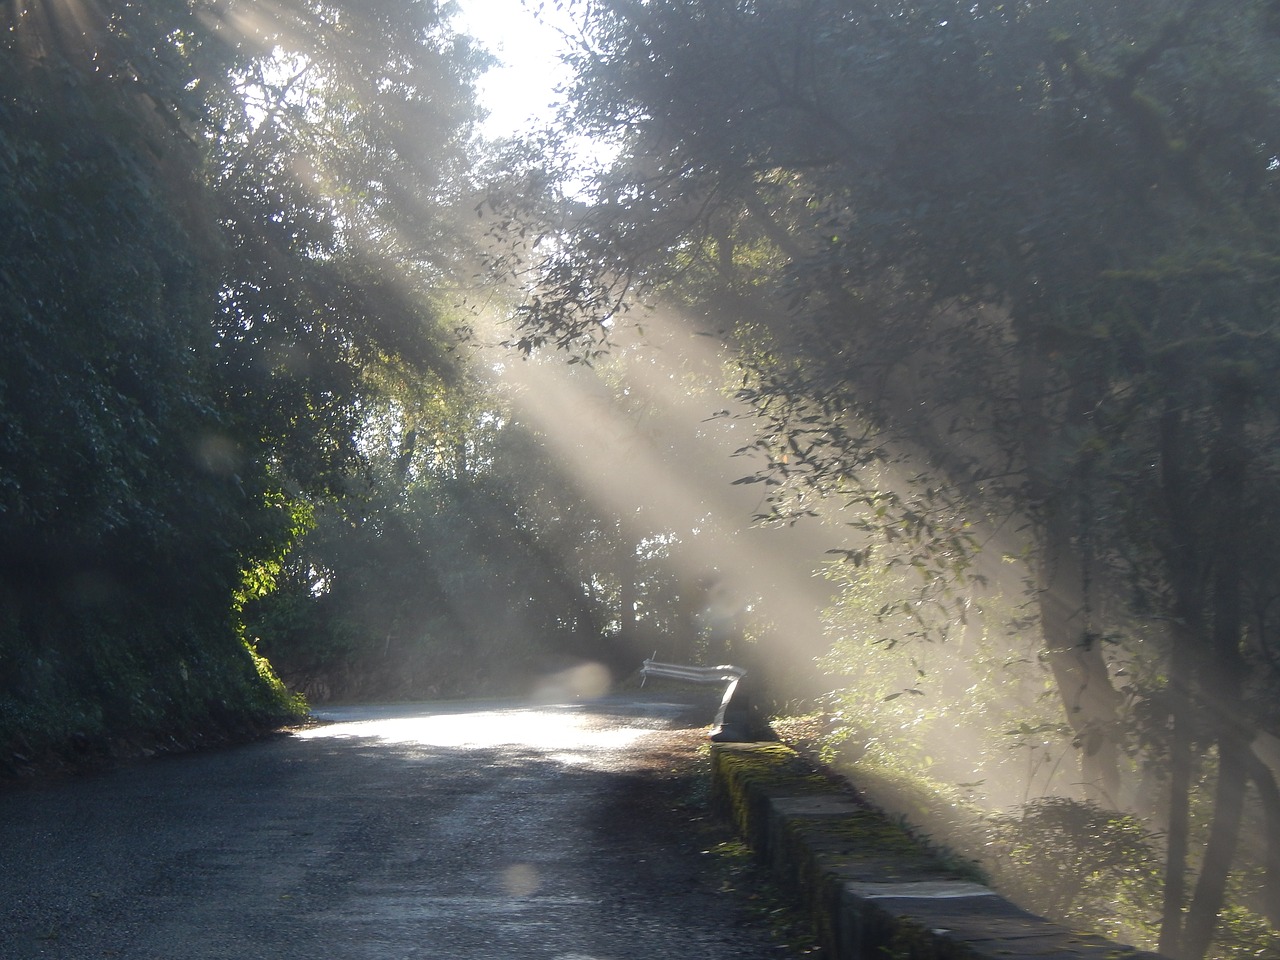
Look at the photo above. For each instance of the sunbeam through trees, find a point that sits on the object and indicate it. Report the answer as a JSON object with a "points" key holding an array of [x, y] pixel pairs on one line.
{"points": [[920, 356]]}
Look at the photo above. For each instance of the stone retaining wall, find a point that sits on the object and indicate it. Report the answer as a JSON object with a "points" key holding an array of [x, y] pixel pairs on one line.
{"points": [[873, 891]]}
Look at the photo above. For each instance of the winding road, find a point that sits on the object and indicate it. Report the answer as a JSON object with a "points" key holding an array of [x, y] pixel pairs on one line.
{"points": [[494, 830]]}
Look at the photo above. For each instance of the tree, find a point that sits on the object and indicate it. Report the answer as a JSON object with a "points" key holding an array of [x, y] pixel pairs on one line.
{"points": [[968, 198], [192, 317]]}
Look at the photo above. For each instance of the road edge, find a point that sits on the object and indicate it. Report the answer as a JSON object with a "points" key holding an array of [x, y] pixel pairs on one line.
{"points": [[871, 889]]}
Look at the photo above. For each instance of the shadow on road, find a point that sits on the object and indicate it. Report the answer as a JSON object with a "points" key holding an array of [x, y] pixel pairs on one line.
{"points": [[472, 830]]}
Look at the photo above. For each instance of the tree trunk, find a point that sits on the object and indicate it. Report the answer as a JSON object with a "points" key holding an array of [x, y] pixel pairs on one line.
{"points": [[1265, 782], [1179, 829], [1080, 672], [1228, 809], [1089, 700], [1182, 557], [628, 621], [1223, 675]]}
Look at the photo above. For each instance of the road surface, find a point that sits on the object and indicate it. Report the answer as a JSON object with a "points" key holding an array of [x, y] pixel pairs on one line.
{"points": [[464, 831]]}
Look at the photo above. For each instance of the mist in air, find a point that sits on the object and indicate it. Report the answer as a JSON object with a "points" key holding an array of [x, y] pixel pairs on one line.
{"points": [[917, 358]]}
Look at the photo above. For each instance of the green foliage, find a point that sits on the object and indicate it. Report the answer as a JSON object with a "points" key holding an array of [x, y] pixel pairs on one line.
{"points": [[1080, 865], [191, 317], [949, 689], [434, 576], [115, 587], [1085, 866], [1027, 298], [156, 676], [1244, 934]]}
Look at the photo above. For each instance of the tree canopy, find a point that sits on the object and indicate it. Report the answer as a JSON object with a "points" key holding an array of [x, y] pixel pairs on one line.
{"points": [[199, 270], [983, 295], [1002, 278]]}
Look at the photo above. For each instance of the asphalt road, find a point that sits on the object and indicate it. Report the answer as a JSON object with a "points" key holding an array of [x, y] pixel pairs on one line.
{"points": [[463, 831]]}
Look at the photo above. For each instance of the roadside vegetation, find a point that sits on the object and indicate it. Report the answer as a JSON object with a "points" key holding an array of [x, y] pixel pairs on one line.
{"points": [[919, 357]]}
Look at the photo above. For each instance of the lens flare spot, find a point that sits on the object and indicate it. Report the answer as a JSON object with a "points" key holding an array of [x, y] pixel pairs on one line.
{"points": [[521, 880], [587, 681]]}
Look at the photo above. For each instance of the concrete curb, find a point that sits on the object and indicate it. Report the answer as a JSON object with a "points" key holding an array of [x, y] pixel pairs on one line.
{"points": [[872, 890]]}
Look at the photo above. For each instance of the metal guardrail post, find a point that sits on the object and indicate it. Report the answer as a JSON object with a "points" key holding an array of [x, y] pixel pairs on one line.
{"points": [[737, 719]]}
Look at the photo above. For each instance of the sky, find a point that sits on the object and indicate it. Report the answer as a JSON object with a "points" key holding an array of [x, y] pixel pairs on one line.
{"points": [[522, 88]]}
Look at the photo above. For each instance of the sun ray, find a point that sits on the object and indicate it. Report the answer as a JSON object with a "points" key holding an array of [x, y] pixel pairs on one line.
{"points": [[670, 463]]}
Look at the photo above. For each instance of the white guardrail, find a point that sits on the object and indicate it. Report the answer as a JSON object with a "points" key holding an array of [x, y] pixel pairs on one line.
{"points": [[675, 671], [733, 721]]}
